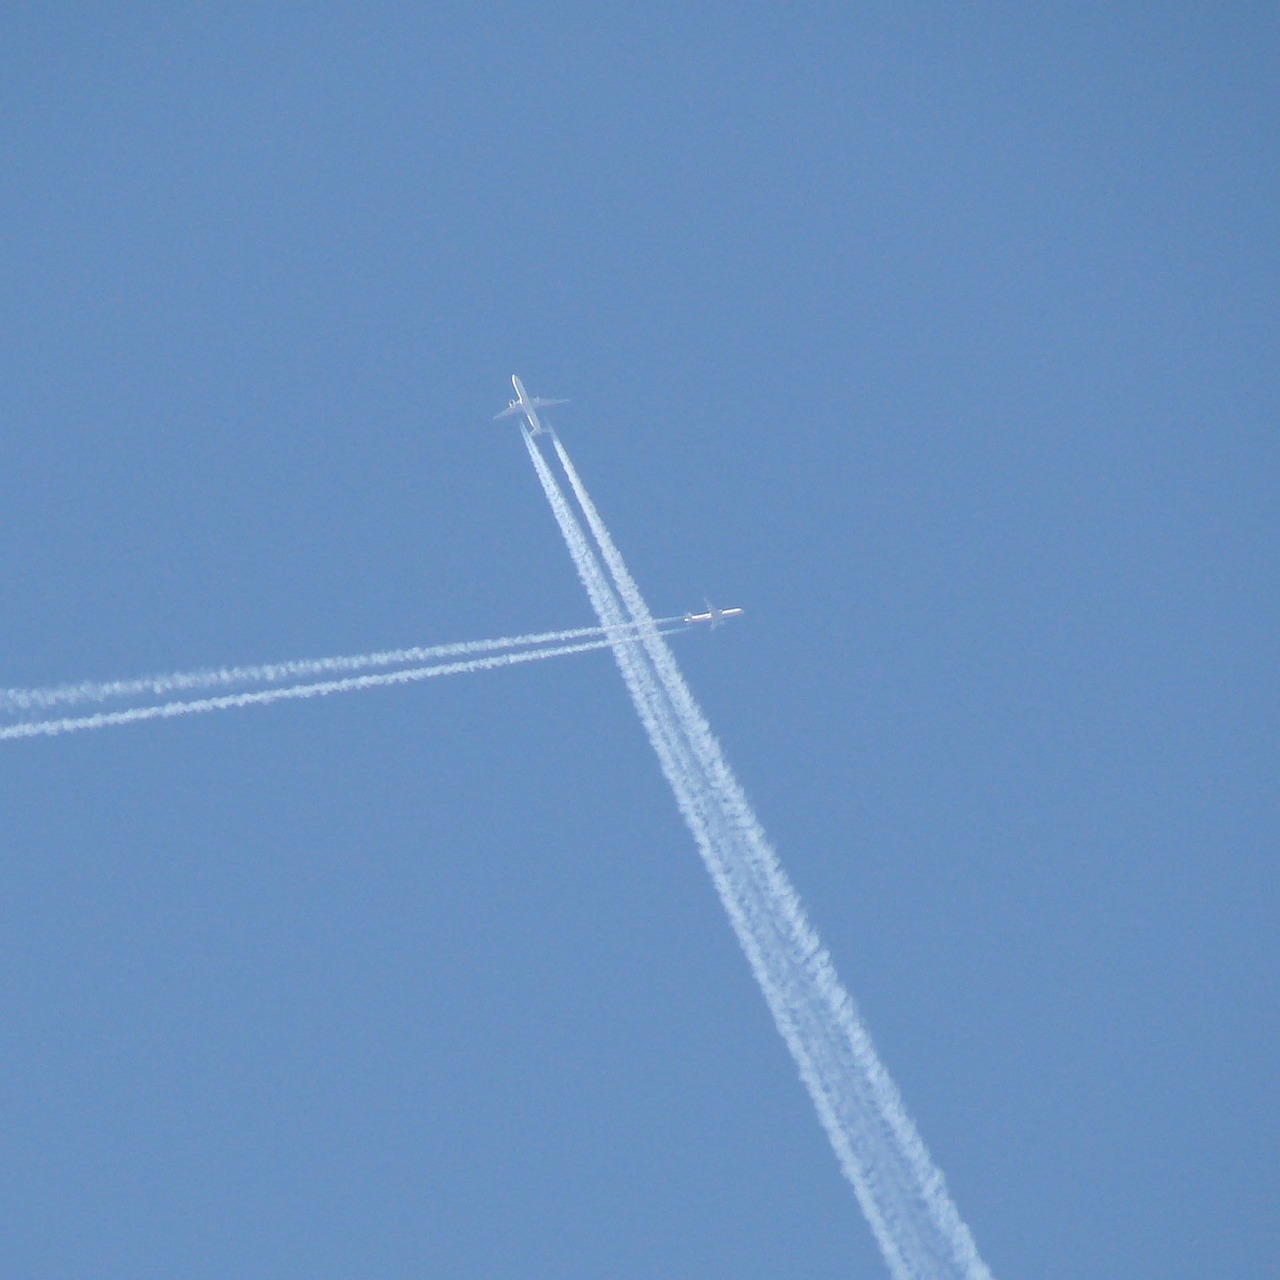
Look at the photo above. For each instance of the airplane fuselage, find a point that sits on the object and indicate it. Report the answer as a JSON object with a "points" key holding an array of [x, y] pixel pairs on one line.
{"points": [[525, 401], [713, 615], [528, 405]]}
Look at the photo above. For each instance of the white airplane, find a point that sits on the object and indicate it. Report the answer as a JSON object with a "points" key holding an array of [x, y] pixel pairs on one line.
{"points": [[528, 405], [713, 615]]}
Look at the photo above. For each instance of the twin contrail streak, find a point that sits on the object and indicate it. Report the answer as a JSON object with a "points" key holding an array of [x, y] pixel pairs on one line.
{"points": [[901, 1192], [67, 695], [260, 697]]}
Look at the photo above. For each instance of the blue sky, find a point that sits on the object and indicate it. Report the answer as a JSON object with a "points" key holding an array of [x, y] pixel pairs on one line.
{"points": [[941, 340]]}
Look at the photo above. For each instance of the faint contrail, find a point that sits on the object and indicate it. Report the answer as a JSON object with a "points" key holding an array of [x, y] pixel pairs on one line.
{"points": [[167, 710], [272, 672], [900, 1189]]}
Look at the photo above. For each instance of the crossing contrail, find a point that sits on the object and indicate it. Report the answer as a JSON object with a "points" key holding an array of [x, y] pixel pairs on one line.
{"points": [[206, 678], [321, 689], [901, 1191]]}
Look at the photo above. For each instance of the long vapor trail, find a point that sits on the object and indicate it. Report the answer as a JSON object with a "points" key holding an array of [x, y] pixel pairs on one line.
{"points": [[205, 678], [900, 1190], [260, 697]]}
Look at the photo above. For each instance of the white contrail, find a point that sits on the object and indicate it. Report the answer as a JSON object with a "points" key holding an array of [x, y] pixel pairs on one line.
{"points": [[916, 1247], [664, 733], [900, 1189], [716, 839], [167, 710], [272, 672]]}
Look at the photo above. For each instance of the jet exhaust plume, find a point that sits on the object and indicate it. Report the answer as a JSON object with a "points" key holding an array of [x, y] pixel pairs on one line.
{"points": [[273, 672], [260, 697], [900, 1190]]}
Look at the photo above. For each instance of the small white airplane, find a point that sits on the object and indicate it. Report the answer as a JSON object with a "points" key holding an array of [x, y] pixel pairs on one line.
{"points": [[528, 405], [713, 615]]}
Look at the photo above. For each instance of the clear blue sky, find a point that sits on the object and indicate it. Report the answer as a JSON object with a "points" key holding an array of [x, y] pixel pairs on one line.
{"points": [[942, 339]]}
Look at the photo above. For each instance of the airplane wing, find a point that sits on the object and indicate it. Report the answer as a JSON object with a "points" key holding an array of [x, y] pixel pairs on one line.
{"points": [[508, 411], [539, 403]]}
